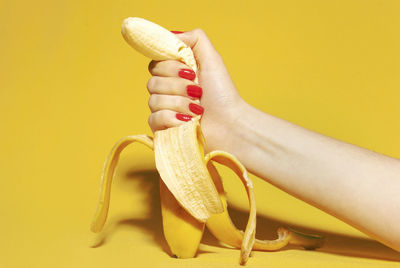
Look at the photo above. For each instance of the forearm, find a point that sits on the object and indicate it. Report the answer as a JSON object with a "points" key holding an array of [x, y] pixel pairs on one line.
{"points": [[356, 185]]}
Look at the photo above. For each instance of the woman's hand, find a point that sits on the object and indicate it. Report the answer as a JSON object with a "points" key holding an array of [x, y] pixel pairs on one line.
{"points": [[174, 94], [355, 185]]}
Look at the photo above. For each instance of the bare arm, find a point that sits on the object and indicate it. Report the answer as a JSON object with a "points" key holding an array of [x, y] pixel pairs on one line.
{"points": [[357, 186]]}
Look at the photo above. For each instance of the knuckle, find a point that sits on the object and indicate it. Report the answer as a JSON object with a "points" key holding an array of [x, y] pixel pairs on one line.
{"points": [[150, 120], [161, 120], [151, 84], [157, 120], [152, 101], [199, 32]]}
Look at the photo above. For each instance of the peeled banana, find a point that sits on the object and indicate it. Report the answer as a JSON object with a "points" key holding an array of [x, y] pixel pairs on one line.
{"points": [[191, 189]]}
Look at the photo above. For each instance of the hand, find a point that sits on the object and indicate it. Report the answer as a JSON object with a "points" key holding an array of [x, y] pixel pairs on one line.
{"points": [[173, 93]]}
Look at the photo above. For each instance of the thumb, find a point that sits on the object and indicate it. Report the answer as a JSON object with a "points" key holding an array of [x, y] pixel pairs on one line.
{"points": [[203, 50]]}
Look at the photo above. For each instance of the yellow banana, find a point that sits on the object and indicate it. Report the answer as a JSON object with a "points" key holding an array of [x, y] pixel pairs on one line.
{"points": [[222, 227], [182, 230], [156, 42], [190, 187], [107, 175], [180, 162], [248, 238]]}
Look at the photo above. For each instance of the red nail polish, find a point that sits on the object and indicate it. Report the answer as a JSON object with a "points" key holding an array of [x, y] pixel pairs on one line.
{"points": [[197, 109], [176, 32], [183, 117], [187, 74], [194, 91]]}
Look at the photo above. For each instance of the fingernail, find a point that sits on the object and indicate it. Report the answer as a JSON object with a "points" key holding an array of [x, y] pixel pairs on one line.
{"points": [[194, 91], [183, 117], [176, 32], [197, 109], [187, 74]]}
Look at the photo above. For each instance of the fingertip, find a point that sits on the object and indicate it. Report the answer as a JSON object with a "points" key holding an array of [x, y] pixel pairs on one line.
{"points": [[164, 119], [196, 109], [168, 68], [183, 117], [187, 73]]}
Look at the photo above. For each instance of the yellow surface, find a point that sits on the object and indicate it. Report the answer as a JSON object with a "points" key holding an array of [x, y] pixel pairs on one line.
{"points": [[70, 87]]}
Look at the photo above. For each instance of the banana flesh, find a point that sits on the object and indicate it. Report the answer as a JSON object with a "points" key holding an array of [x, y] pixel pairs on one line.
{"points": [[191, 190], [191, 185], [179, 159], [156, 42], [182, 230]]}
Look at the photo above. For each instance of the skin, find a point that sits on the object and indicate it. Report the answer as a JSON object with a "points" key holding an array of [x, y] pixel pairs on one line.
{"points": [[356, 185]]}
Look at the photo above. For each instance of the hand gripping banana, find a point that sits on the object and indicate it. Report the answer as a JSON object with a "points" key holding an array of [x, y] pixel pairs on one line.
{"points": [[191, 189]]}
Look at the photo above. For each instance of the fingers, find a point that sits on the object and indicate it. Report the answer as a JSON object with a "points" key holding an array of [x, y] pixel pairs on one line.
{"points": [[173, 86], [203, 49], [171, 68], [172, 89], [174, 96], [178, 104], [171, 110], [164, 119]]}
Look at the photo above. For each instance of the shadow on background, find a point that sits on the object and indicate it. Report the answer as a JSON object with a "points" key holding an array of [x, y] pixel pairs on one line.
{"points": [[152, 225], [266, 227]]}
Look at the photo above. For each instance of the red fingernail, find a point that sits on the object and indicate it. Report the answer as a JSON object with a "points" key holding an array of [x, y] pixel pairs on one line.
{"points": [[183, 117], [194, 91], [176, 32], [197, 109], [187, 74]]}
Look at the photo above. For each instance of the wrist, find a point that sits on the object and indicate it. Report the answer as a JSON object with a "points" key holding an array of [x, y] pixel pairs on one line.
{"points": [[232, 127], [251, 137], [218, 125], [239, 127]]}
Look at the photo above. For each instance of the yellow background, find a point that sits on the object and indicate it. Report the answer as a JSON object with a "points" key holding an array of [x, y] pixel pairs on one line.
{"points": [[70, 87]]}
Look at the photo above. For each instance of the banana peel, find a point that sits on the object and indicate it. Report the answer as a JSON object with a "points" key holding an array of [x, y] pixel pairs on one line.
{"points": [[191, 189]]}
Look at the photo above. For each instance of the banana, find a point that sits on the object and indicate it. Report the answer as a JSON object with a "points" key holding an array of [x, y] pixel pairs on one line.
{"points": [[182, 230], [191, 190], [248, 237], [179, 157], [107, 175], [156, 42], [222, 227]]}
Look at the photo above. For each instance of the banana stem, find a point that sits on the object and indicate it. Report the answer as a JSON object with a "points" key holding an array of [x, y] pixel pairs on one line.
{"points": [[307, 241]]}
